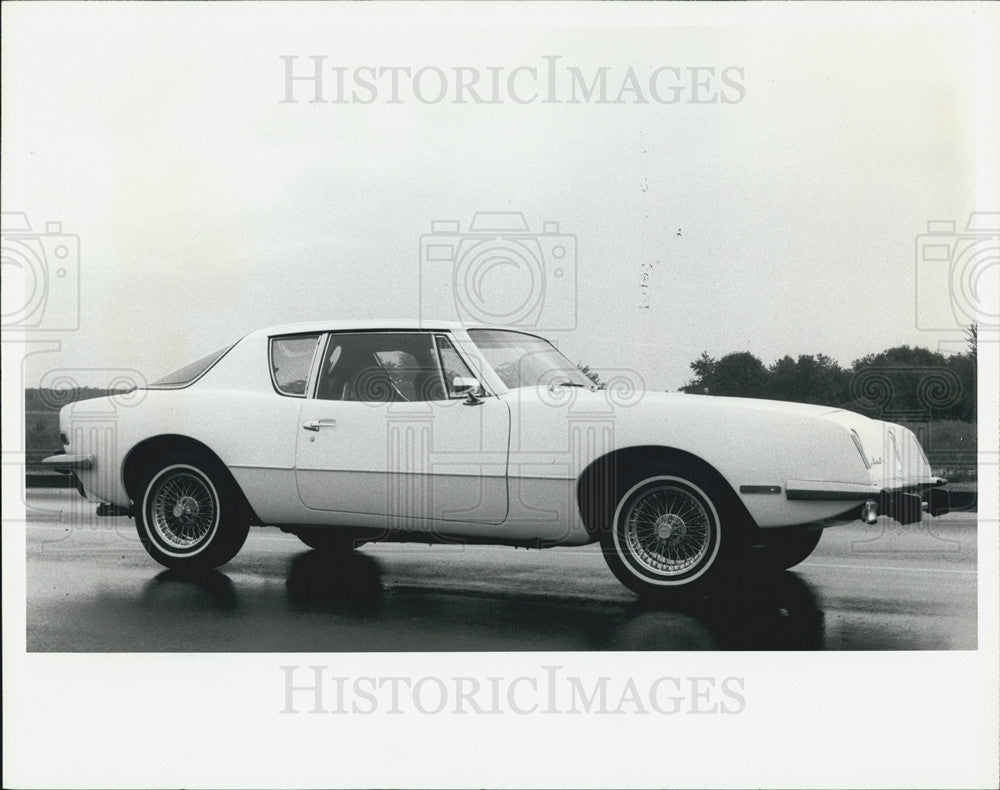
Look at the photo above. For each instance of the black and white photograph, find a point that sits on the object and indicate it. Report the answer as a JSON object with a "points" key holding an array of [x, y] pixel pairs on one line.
{"points": [[450, 394]]}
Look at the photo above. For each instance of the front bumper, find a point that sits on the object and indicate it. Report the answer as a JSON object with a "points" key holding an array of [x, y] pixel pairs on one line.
{"points": [[906, 504], [907, 508]]}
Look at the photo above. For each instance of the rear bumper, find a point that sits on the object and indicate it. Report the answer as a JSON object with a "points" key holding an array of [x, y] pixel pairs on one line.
{"points": [[67, 463]]}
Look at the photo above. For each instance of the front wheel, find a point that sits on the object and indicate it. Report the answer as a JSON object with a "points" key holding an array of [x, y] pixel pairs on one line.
{"points": [[190, 514], [666, 536]]}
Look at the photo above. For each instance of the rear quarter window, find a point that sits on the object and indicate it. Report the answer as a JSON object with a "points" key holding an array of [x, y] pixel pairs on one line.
{"points": [[291, 361]]}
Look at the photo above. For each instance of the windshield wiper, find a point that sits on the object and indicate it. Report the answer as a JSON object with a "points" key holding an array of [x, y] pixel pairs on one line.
{"points": [[555, 384]]}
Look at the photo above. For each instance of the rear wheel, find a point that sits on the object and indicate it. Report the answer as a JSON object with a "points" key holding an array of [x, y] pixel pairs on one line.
{"points": [[672, 532], [786, 551], [190, 513]]}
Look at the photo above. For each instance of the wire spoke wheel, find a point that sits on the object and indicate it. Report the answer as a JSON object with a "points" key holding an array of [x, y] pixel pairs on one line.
{"points": [[666, 539], [190, 513], [667, 530], [183, 508]]}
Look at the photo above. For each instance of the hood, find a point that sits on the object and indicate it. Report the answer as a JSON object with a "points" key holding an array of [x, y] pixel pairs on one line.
{"points": [[754, 404], [686, 403]]}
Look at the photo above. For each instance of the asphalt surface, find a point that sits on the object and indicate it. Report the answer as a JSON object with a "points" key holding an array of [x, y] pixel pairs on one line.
{"points": [[91, 587]]}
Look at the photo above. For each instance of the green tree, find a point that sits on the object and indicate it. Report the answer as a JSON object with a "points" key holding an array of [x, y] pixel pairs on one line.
{"points": [[965, 368], [911, 381], [809, 379], [738, 374], [902, 382]]}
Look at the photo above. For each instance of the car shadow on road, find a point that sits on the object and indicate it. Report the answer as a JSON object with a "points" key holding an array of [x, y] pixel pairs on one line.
{"points": [[764, 611], [336, 601], [335, 581], [775, 611], [194, 590]]}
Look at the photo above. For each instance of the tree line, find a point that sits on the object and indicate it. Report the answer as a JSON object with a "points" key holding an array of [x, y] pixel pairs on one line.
{"points": [[902, 382]]}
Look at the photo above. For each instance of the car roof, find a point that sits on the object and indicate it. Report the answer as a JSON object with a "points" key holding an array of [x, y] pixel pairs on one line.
{"points": [[367, 324]]}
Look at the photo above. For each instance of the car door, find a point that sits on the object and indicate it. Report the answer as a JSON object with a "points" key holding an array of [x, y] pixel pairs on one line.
{"points": [[388, 433]]}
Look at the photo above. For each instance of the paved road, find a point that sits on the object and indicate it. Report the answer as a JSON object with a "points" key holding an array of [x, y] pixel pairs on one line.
{"points": [[91, 587]]}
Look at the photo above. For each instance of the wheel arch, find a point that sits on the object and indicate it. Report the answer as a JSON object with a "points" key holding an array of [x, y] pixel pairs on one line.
{"points": [[138, 459], [597, 485]]}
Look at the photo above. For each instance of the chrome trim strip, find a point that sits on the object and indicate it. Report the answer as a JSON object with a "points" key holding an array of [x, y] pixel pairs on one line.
{"points": [[261, 466], [412, 473], [861, 448], [322, 348], [760, 489], [820, 495]]}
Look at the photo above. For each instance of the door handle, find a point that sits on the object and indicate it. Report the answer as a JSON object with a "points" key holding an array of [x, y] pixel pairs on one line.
{"points": [[315, 425]]}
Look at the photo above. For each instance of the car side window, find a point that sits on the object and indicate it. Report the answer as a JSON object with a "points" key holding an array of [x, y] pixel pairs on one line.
{"points": [[291, 361], [454, 367], [402, 369], [380, 367]]}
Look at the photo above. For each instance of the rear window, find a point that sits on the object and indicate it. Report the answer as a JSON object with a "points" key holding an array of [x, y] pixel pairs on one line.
{"points": [[190, 372]]}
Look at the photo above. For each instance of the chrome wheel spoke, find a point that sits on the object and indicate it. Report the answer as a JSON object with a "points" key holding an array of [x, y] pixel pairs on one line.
{"points": [[667, 530], [183, 509]]}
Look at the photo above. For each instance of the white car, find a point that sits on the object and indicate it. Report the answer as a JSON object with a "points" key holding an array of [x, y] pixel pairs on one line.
{"points": [[348, 432]]}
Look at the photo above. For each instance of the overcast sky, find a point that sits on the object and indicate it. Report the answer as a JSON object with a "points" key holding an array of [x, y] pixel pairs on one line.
{"points": [[780, 218]]}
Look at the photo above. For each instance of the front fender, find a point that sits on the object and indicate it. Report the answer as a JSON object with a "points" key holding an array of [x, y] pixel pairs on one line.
{"points": [[756, 446], [760, 450]]}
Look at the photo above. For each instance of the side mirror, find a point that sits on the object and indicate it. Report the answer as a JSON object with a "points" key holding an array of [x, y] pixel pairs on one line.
{"points": [[464, 384], [470, 387]]}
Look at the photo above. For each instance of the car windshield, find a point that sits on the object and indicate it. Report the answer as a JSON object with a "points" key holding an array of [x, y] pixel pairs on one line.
{"points": [[193, 370], [522, 360]]}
